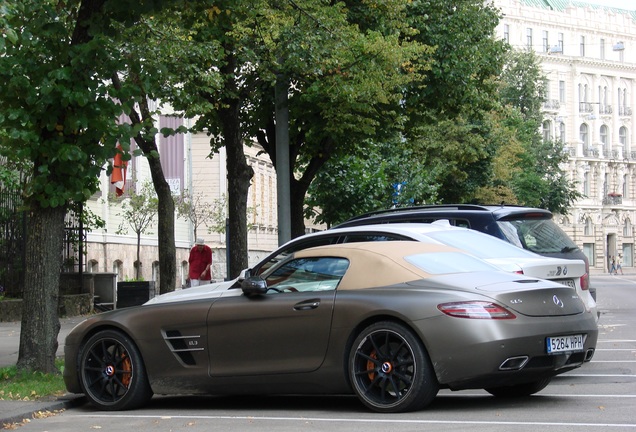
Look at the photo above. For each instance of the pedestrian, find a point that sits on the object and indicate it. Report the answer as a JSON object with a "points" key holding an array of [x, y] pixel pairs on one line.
{"points": [[613, 266], [200, 262], [618, 265]]}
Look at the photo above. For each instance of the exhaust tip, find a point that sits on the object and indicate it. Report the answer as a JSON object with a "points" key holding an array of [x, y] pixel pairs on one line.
{"points": [[514, 363], [589, 354]]}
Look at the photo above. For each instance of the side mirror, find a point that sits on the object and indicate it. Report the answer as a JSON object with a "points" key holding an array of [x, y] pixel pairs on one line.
{"points": [[254, 285]]}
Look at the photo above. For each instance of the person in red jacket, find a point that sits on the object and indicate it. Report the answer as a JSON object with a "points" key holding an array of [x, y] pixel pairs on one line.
{"points": [[200, 261]]}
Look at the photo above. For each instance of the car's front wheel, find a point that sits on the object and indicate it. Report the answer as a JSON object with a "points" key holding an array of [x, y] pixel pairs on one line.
{"points": [[390, 370], [520, 390], [112, 372]]}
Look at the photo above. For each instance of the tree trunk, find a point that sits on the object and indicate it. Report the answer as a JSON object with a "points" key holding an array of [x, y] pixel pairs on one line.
{"points": [[297, 206], [40, 321], [167, 248], [239, 173]]}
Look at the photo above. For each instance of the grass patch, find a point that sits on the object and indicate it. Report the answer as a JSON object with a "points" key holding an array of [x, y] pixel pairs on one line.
{"points": [[20, 385]]}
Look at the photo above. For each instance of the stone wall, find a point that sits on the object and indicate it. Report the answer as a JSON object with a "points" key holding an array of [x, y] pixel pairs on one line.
{"points": [[69, 305]]}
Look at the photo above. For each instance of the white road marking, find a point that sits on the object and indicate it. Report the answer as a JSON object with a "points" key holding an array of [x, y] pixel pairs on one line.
{"points": [[373, 420]]}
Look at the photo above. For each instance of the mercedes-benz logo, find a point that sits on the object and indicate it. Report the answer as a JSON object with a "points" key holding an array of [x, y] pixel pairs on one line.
{"points": [[557, 301]]}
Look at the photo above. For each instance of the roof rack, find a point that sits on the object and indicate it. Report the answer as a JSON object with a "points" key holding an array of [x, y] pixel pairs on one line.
{"points": [[423, 207]]}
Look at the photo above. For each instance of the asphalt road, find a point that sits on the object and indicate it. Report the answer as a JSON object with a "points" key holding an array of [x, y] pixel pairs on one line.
{"points": [[600, 396]]}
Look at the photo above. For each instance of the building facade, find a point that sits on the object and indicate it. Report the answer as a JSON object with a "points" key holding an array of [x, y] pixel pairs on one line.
{"points": [[588, 56], [191, 168]]}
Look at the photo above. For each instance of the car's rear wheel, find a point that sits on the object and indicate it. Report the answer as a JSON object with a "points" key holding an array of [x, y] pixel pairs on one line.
{"points": [[112, 372], [390, 370], [520, 390]]}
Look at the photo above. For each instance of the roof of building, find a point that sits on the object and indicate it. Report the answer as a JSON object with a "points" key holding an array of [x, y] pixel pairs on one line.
{"points": [[562, 5]]}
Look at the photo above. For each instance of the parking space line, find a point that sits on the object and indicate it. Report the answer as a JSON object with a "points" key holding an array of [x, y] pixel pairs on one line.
{"points": [[600, 375], [374, 420]]}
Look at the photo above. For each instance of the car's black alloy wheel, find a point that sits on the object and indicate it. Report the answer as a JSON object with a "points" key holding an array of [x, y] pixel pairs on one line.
{"points": [[390, 370], [112, 372]]}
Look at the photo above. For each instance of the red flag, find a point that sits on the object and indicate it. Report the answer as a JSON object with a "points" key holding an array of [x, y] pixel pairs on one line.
{"points": [[118, 176]]}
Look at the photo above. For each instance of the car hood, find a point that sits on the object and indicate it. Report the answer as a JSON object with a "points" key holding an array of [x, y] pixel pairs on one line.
{"points": [[521, 294], [212, 290]]}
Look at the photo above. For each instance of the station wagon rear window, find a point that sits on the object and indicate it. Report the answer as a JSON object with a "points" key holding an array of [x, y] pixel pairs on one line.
{"points": [[448, 262]]}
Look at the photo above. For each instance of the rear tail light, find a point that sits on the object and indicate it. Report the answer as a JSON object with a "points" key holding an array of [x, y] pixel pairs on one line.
{"points": [[585, 281], [475, 310]]}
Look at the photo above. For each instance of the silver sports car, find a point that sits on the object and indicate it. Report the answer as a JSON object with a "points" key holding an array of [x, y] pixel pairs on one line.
{"points": [[392, 322]]}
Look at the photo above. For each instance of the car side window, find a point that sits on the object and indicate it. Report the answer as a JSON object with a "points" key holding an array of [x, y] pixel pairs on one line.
{"points": [[355, 238], [294, 247], [307, 274]]}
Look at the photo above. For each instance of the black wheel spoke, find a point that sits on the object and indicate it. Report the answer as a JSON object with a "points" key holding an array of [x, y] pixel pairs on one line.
{"points": [[105, 365], [390, 370]]}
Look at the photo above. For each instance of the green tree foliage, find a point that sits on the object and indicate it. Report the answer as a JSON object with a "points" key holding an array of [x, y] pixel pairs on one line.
{"points": [[449, 109], [539, 180], [446, 126], [58, 113], [347, 65], [353, 185]]}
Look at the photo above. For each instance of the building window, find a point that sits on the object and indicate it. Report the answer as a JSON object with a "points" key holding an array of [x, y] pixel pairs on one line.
{"points": [[622, 137], [529, 38], [626, 186], [92, 266], [562, 132], [604, 139], [628, 255], [506, 33], [583, 135], [622, 102], [586, 187], [183, 272], [560, 43], [562, 91], [583, 98], [155, 272], [547, 131], [627, 228], [582, 46], [588, 250], [546, 46], [602, 53], [118, 269]]}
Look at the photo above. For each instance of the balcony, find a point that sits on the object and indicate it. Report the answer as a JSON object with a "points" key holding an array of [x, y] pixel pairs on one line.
{"points": [[613, 199], [552, 105], [586, 107], [624, 111], [605, 109], [590, 152]]}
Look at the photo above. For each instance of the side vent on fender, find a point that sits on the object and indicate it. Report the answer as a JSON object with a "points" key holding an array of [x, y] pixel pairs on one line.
{"points": [[183, 346]]}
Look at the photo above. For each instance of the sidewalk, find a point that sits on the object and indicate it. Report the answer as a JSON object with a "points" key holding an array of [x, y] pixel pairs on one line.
{"points": [[15, 411]]}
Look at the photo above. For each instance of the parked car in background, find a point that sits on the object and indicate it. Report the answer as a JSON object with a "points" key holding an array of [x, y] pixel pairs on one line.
{"points": [[392, 322], [505, 256], [528, 228], [497, 252]]}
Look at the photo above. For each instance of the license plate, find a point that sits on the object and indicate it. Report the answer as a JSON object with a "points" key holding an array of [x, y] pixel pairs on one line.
{"points": [[559, 344], [567, 282]]}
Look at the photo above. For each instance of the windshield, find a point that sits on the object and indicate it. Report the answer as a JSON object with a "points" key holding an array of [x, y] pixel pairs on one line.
{"points": [[481, 245], [542, 236]]}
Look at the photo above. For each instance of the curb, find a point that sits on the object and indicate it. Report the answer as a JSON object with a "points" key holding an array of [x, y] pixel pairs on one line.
{"points": [[18, 411]]}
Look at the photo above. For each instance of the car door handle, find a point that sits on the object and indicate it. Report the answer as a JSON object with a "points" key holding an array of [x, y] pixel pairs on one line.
{"points": [[307, 304]]}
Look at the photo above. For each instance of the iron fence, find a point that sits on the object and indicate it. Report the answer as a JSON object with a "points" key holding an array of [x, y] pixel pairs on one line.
{"points": [[13, 223]]}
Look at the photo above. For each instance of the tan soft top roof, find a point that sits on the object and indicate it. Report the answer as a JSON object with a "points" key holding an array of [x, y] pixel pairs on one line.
{"points": [[380, 263]]}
